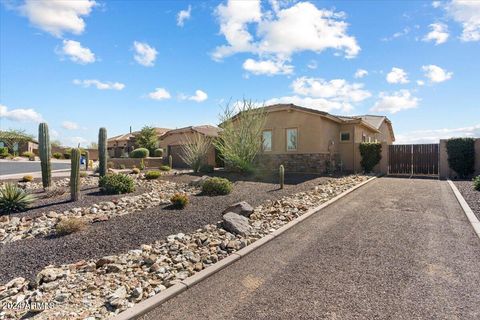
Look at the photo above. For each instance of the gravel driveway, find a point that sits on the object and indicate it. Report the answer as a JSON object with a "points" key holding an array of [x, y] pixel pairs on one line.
{"points": [[393, 249]]}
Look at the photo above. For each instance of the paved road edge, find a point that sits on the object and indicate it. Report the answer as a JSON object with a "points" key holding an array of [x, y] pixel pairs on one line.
{"points": [[466, 208], [153, 302]]}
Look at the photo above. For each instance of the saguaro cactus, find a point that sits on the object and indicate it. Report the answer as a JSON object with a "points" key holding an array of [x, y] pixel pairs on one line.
{"points": [[281, 173], [44, 150], [102, 152], [75, 174], [87, 158], [170, 161]]}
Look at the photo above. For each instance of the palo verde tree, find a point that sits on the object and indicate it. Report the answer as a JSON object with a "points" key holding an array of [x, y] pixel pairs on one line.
{"points": [[14, 137], [147, 138], [241, 137]]}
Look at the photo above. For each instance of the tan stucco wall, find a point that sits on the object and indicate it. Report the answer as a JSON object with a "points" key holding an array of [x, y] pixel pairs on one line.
{"points": [[177, 139], [444, 169], [314, 132], [385, 134]]}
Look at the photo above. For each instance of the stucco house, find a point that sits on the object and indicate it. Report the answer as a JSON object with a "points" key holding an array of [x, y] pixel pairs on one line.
{"points": [[121, 145], [173, 140], [308, 140]]}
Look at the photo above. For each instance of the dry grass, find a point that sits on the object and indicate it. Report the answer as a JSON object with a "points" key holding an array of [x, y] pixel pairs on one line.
{"points": [[70, 225]]}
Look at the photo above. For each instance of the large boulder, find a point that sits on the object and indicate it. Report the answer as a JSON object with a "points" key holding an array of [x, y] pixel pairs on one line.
{"points": [[236, 224], [242, 208]]}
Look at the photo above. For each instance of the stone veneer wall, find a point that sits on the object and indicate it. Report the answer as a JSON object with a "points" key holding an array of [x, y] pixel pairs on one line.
{"points": [[295, 162], [130, 162]]}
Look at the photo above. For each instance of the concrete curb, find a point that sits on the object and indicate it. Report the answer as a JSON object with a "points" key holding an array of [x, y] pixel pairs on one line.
{"points": [[153, 302], [466, 208]]}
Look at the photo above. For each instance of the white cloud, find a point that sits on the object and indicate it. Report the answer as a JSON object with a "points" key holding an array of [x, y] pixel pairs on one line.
{"points": [[77, 53], [20, 115], [199, 96], [466, 12], [100, 85], [183, 15], [312, 65], [320, 94], [395, 102], [397, 75], [159, 94], [69, 125], [360, 73], [283, 31], [420, 82], [398, 34], [57, 16], [439, 33], [144, 54], [434, 135], [267, 67], [436, 4], [436, 74]]}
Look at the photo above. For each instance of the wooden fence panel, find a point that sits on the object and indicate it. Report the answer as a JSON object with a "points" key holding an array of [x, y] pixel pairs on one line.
{"points": [[413, 159]]}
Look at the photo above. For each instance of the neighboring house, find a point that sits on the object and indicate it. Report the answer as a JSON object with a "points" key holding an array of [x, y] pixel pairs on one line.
{"points": [[172, 143], [308, 140], [120, 146], [20, 147]]}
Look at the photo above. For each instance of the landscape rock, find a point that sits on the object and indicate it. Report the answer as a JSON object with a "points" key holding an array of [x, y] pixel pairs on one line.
{"points": [[242, 208], [236, 223], [198, 182]]}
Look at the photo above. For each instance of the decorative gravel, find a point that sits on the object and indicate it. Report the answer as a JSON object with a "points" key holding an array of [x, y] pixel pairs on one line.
{"points": [[470, 195], [27, 257]]}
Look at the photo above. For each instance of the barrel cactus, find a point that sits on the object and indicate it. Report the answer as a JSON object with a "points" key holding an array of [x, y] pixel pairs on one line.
{"points": [[44, 150], [102, 152], [281, 172], [87, 158], [75, 175]]}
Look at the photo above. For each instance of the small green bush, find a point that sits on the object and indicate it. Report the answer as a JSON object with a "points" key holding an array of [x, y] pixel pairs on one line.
{"points": [[165, 168], [151, 175], [116, 184], [217, 186], [110, 165], [139, 153], [476, 183], [83, 174], [158, 152], [70, 225], [371, 153], [28, 154], [207, 168], [14, 199], [3, 152], [57, 155], [142, 165], [122, 166], [27, 178], [461, 156], [135, 171], [179, 200]]}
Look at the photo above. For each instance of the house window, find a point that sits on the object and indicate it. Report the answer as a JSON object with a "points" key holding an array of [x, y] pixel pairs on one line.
{"points": [[267, 140], [292, 139], [345, 136]]}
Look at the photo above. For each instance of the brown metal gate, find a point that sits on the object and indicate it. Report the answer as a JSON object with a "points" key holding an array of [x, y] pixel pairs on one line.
{"points": [[413, 159]]}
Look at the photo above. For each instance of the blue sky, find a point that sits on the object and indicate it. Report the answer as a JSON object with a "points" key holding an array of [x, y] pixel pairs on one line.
{"points": [[83, 64]]}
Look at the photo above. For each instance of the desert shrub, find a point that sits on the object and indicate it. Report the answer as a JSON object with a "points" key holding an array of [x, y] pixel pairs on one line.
{"points": [[207, 168], [371, 153], [27, 178], [139, 153], [179, 200], [135, 171], [14, 199], [147, 138], [3, 152], [83, 174], [241, 138], [158, 152], [28, 154], [57, 155], [165, 168], [194, 151], [476, 183], [116, 184], [52, 192], [69, 225], [110, 165], [122, 166], [217, 186], [461, 156], [151, 175]]}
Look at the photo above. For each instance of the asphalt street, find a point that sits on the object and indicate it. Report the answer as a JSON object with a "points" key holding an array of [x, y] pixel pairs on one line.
{"points": [[16, 167]]}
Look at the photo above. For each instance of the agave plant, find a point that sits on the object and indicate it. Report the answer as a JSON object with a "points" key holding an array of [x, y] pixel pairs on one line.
{"points": [[14, 199]]}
